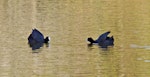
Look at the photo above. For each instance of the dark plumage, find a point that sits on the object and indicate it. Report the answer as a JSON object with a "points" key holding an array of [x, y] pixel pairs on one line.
{"points": [[36, 39], [104, 41]]}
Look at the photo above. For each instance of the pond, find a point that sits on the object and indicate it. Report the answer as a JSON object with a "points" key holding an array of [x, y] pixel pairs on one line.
{"points": [[69, 23]]}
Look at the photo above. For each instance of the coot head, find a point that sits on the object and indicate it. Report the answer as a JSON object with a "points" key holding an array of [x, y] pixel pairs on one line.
{"points": [[47, 39], [90, 39]]}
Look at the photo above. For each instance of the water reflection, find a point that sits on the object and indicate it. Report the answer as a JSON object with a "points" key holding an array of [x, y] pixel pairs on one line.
{"points": [[91, 46]]}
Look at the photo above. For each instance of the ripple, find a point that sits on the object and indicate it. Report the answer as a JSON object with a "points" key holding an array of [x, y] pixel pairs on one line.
{"points": [[138, 46], [139, 59], [147, 61]]}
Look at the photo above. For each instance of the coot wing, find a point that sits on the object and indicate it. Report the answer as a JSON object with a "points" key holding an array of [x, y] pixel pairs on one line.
{"points": [[102, 37], [36, 39], [37, 35], [108, 42], [105, 44], [36, 45], [111, 40]]}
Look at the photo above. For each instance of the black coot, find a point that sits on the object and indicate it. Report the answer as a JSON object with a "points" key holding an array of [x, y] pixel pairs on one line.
{"points": [[104, 41], [36, 39]]}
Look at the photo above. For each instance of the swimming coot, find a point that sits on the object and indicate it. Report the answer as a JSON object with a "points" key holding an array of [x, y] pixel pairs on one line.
{"points": [[36, 39], [104, 41]]}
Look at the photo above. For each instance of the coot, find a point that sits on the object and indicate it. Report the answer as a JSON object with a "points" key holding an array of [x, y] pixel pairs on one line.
{"points": [[36, 39], [104, 41]]}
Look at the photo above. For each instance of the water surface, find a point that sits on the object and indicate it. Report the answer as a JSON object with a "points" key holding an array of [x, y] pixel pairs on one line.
{"points": [[69, 23]]}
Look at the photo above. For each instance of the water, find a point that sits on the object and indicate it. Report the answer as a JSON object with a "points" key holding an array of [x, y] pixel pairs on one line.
{"points": [[69, 23]]}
